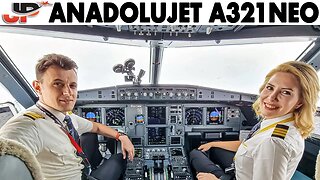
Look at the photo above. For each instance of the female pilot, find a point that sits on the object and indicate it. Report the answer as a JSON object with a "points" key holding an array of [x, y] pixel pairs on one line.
{"points": [[287, 104]]}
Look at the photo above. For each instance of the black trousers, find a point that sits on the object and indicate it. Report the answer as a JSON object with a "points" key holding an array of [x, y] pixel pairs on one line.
{"points": [[110, 169], [218, 161]]}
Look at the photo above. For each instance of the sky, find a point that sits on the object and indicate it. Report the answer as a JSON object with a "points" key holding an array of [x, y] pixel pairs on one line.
{"points": [[230, 67]]}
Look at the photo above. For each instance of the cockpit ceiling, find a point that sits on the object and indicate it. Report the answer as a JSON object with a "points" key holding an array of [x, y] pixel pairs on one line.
{"points": [[173, 35]]}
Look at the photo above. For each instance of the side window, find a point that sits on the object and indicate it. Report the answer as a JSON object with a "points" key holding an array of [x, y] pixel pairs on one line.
{"points": [[7, 110], [9, 106], [316, 132]]}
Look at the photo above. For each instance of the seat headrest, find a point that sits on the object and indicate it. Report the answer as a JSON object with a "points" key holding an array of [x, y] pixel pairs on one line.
{"points": [[14, 148]]}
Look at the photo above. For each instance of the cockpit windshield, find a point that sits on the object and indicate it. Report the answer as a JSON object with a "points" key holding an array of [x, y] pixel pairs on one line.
{"points": [[223, 67]]}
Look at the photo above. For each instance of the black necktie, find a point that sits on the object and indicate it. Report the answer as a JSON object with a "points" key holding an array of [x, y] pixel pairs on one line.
{"points": [[71, 128], [253, 130]]}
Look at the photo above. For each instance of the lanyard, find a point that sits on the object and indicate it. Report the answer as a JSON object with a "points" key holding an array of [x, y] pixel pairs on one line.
{"points": [[274, 125], [53, 117], [73, 142]]}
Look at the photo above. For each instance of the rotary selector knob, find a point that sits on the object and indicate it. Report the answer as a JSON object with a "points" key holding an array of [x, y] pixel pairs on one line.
{"points": [[184, 169], [179, 132]]}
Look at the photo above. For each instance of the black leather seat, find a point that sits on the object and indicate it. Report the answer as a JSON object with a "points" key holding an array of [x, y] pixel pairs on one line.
{"points": [[90, 145]]}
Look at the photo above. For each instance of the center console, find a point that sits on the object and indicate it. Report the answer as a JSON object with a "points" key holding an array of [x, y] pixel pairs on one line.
{"points": [[158, 140], [155, 163]]}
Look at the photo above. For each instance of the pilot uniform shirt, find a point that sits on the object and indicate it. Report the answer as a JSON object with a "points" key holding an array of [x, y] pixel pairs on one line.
{"points": [[266, 156], [51, 146]]}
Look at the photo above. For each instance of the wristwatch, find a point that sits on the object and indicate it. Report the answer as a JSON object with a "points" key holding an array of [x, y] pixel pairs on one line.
{"points": [[120, 134]]}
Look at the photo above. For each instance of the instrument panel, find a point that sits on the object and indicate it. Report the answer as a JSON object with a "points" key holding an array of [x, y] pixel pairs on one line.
{"points": [[165, 122], [164, 125]]}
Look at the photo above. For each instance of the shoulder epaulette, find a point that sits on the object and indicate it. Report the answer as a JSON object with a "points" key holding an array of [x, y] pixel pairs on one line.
{"points": [[280, 131], [33, 115]]}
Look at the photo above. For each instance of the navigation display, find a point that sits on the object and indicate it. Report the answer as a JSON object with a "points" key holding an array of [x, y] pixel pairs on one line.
{"points": [[115, 116], [215, 115], [157, 135], [157, 115]]}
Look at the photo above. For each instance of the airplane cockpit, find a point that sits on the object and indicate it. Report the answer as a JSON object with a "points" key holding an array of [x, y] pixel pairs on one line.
{"points": [[170, 88]]}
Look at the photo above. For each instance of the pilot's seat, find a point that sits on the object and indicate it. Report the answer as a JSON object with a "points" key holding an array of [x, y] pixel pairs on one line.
{"points": [[90, 145], [17, 162]]}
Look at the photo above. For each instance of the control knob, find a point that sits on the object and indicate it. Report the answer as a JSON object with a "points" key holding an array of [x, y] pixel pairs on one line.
{"points": [[184, 169], [179, 132]]}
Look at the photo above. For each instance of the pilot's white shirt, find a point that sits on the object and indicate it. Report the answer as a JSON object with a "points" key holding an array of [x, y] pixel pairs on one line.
{"points": [[266, 157], [50, 145]]}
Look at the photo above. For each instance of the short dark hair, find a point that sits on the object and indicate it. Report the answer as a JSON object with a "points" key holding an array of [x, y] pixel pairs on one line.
{"points": [[59, 60]]}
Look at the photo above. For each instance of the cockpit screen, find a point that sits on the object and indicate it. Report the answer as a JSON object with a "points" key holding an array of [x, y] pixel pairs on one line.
{"points": [[193, 116], [156, 135], [115, 116], [215, 115], [138, 153], [139, 119], [157, 115], [176, 152], [92, 114]]}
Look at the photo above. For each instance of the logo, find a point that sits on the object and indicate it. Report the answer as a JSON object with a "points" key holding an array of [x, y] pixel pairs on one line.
{"points": [[22, 11]]}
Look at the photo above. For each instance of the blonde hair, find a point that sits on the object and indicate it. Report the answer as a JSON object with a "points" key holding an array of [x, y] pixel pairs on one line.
{"points": [[309, 82]]}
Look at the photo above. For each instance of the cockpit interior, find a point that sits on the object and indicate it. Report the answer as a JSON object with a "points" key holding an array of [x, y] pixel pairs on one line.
{"points": [[164, 121]]}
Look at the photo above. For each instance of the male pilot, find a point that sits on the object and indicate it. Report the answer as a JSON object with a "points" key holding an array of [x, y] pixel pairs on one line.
{"points": [[46, 128]]}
